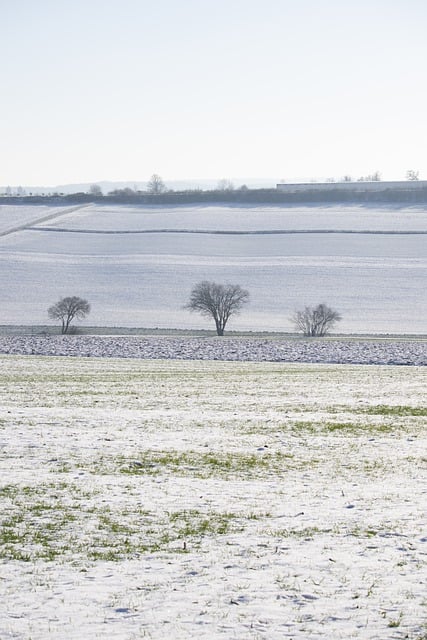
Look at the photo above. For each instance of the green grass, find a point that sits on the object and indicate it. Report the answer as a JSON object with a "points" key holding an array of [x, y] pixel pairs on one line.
{"points": [[309, 533], [306, 533], [54, 529], [211, 464], [394, 623], [289, 407], [392, 410], [325, 426], [194, 523]]}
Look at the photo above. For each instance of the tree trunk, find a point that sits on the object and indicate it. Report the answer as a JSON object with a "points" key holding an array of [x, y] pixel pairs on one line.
{"points": [[219, 328]]}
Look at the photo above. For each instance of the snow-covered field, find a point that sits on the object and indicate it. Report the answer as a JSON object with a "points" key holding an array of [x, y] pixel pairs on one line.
{"points": [[338, 351], [153, 499], [240, 218], [14, 217], [137, 266]]}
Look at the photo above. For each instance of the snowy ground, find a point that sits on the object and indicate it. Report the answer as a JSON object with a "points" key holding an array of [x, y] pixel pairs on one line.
{"points": [[153, 499], [17, 217], [339, 351], [137, 266], [244, 218]]}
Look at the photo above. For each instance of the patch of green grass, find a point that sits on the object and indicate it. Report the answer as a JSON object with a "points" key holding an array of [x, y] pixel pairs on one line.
{"points": [[105, 555], [8, 491], [40, 520], [311, 532], [342, 427], [258, 516], [305, 533], [396, 622], [375, 467], [53, 527], [352, 427], [194, 523], [11, 530], [392, 410], [171, 532], [208, 464]]}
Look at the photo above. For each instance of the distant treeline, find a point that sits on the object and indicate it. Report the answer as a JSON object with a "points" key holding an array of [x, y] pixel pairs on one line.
{"points": [[235, 196]]}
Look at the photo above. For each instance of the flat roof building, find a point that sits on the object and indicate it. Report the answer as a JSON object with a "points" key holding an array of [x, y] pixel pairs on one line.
{"points": [[359, 186]]}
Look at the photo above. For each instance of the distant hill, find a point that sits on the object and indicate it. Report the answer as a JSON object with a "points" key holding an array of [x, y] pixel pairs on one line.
{"points": [[136, 185]]}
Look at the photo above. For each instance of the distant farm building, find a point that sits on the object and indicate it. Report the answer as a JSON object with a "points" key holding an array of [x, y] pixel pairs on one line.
{"points": [[362, 186]]}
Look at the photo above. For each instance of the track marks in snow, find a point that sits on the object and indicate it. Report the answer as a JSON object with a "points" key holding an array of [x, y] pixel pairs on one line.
{"points": [[51, 216], [229, 232]]}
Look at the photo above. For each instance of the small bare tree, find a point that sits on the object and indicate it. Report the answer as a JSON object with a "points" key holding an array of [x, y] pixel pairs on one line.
{"points": [[412, 175], [156, 185], [315, 321], [218, 301], [225, 185], [372, 177], [68, 309], [95, 190]]}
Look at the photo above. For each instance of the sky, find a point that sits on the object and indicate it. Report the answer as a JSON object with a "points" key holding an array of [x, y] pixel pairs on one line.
{"points": [[277, 89]]}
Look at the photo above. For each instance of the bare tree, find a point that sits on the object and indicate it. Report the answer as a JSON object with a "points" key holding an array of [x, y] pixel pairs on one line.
{"points": [[156, 185], [412, 175], [225, 185], [218, 301], [68, 309], [372, 177], [315, 321], [95, 190]]}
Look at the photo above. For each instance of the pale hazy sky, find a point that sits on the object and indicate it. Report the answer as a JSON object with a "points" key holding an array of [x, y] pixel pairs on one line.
{"points": [[120, 89]]}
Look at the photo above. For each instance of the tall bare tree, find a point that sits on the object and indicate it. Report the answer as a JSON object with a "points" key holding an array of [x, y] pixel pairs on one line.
{"points": [[218, 301], [156, 185], [68, 309], [315, 321]]}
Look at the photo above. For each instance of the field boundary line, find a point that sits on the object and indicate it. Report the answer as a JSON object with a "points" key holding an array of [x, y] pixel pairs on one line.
{"points": [[51, 216], [226, 232]]}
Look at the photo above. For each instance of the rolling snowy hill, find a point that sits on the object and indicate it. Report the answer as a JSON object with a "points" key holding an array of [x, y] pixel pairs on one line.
{"points": [[137, 265]]}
